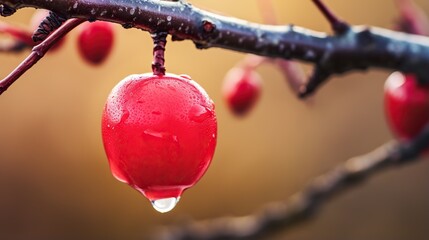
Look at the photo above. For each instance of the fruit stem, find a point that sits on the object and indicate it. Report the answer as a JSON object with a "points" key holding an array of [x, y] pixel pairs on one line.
{"points": [[159, 42], [38, 52]]}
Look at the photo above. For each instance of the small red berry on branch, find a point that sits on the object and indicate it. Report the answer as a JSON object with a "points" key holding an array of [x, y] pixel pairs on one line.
{"points": [[406, 105], [407, 101], [95, 41], [241, 89]]}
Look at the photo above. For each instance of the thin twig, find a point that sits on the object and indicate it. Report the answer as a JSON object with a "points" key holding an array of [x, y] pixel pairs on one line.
{"points": [[303, 205], [337, 25], [37, 53]]}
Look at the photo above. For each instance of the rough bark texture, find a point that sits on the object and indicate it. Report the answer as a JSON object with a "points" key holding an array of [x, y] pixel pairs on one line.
{"points": [[357, 48]]}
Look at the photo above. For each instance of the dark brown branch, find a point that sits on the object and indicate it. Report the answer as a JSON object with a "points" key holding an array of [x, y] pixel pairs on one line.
{"points": [[356, 49], [37, 53], [304, 204]]}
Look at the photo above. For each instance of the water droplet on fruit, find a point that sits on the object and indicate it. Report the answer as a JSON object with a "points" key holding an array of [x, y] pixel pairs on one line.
{"points": [[186, 76], [396, 80], [165, 205], [199, 113], [125, 116], [161, 135], [153, 133]]}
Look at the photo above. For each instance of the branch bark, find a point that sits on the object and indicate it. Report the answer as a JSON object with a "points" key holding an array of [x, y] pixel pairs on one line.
{"points": [[357, 48], [304, 204], [37, 53]]}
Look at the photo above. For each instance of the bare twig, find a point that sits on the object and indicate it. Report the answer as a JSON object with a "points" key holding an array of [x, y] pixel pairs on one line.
{"points": [[294, 74], [37, 53], [304, 204], [338, 25], [351, 48], [358, 48]]}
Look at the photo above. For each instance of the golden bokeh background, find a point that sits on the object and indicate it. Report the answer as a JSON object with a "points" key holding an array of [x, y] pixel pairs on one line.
{"points": [[55, 182]]}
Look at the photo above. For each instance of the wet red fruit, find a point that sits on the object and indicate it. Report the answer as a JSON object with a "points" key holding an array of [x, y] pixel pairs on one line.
{"points": [[95, 41], [159, 133], [241, 89], [406, 104]]}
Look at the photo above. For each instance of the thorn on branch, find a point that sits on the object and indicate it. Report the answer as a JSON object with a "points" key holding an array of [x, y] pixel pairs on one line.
{"points": [[319, 76], [337, 25]]}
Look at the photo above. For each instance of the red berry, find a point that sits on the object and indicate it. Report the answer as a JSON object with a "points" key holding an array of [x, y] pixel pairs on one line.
{"points": [[241, 89], [95, 41], [159, 133], [406, 104]]}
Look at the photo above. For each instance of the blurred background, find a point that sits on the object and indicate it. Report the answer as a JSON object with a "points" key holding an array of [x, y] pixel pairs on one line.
{"points": [[55, 182]]}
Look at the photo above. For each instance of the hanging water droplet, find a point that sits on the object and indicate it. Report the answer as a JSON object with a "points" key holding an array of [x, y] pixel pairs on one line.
{"points": [[165, 205]]}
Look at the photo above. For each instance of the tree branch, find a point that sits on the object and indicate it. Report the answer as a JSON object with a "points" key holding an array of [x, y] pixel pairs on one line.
{"points": [[304, 204], [37, 53], [357, 48], [354, 48]]}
